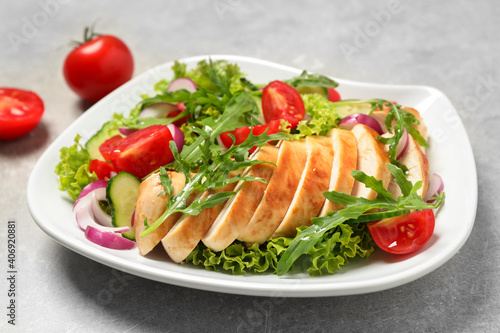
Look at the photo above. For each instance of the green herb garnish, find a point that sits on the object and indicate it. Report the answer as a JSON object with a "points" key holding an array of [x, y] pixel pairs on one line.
{"points": [[356, 211]]}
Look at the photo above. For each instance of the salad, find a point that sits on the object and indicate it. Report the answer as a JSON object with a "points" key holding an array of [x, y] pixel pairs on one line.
{"points": [[239, 176]]}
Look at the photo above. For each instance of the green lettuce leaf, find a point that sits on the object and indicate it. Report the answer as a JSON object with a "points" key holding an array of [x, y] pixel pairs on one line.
{"points": [[73, 169], [323, 116], [328, 255]]}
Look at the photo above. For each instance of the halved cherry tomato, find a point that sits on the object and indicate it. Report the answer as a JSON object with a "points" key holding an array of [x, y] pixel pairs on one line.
{"points": [[144, 151], [20, 112], [333, 95], [102, 169], [241, 134], [107, 146], [403, 234], [179, 122], [282, 101]]}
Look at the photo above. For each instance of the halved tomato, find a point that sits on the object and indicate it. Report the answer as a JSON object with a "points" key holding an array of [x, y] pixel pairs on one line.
{"points": [[179, 122], [241, 134], [20, 112], [333, 95], [101, 168], [403, 234], [107, 146], [282, 101], [144, 151]]}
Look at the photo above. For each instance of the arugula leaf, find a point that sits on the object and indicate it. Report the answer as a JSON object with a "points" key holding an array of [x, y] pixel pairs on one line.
{"points": [[206, 167], [312, 80], [403, 118], [327, 256], [356, 211]]}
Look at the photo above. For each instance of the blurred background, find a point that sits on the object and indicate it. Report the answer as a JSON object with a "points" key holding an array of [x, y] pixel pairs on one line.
{"points": [[453, 46]]}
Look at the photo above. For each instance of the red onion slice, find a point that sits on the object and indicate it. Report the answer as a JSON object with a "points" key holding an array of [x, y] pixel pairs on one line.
{"points": [[360, 118], [158, 110], [182, 83], [108, 239], [89, 188], [219, 141], [177, 135], [85, 218], [436, 186], [402, 144], [100, 215], [126, 131]]}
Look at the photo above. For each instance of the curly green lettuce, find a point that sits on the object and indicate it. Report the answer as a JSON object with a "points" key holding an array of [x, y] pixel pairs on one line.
{"points": [[73, 169], [326, 257], [323, 116], [201, 75]]}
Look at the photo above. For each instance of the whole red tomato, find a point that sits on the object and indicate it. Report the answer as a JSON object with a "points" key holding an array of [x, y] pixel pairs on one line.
{"points": [[20, 112], [98, 66]]}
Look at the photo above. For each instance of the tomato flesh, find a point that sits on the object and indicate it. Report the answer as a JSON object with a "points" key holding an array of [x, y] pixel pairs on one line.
{"points": [[241, 134], [403, 234], [20, 112], [97, 67], [179, 122], [108, 146], [333, 95], [282, 101], [102, 169], [144, 151]]}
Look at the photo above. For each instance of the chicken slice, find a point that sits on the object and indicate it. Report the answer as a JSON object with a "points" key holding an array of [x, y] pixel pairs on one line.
{"points": [[279, 193], [372, 159], [315, 179], [189, 229], [418, 168], [240, 208], [345, 156], [151, 206]]}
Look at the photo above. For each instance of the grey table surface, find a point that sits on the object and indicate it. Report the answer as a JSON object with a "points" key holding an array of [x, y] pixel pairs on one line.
{"points": [[451, 45]]}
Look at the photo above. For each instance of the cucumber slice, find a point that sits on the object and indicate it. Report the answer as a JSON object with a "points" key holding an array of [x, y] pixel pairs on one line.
{"points": [[313, 90], [107, 131], [121, 193]]}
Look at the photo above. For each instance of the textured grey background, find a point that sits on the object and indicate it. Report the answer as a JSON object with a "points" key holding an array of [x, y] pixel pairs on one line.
{"points": [[451, 45]]}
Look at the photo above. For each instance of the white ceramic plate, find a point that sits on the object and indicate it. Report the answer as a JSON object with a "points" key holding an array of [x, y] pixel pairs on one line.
{"points": [[450, 156]]}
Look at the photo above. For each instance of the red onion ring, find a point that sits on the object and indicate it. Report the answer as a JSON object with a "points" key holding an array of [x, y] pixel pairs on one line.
{"points": [[126, 131], [100, 215], [177, 135], [360, 118], [402, 144], [85, 218], [436, 186], [182, 83], [84, 211], [89, 188], [108, 239]]}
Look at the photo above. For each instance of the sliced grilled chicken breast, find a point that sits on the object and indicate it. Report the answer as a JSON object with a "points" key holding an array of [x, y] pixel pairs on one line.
{"points": [[189, 229], [279, 193], [309, 198], [345, 157], [240, 208], [418, 168], [372, 159], [151, 206]]}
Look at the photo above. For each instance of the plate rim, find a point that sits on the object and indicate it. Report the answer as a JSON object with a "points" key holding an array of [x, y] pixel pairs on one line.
{"points": [[244, 287]]}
